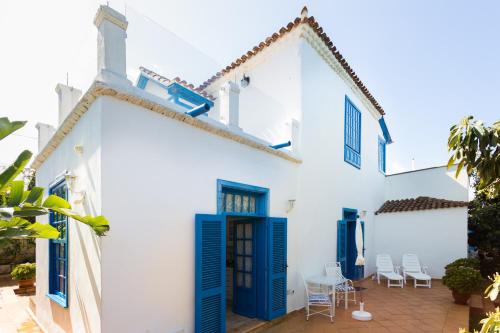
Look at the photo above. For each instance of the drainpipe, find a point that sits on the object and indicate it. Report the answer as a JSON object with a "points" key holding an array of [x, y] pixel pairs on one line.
{"points": [[282, 145], [199, 110]]}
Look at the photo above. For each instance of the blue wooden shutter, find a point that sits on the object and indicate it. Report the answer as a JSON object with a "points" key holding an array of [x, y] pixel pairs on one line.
{"points": [[277, 238], [210, 274], [352, 134], [381, 155], [342, 244]]}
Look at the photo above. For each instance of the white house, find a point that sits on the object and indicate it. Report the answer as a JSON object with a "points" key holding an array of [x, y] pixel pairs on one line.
{"points": [[214, 211]]}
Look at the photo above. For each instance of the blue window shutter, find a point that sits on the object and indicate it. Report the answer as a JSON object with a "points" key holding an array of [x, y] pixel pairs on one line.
{"points": [[381, 154], [342, 243], [210, 274], [352, 134], [58, 251], [277, 238]]}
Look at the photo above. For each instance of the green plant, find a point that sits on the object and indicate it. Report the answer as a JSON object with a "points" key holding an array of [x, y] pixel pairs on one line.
{"points": [[484, 228], [463, 280], [24, 271], [477, 148], [463, 262], [490, 324], [18, 205]]}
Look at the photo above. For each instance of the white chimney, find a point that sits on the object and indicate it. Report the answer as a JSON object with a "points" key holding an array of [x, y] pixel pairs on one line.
{"points": [[67, 97], [45, 133], [230, 103], [111, 49], [295, 135]]}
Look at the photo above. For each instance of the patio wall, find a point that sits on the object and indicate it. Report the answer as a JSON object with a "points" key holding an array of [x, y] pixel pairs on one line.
{"points": [[437, 182], [437, 236]]}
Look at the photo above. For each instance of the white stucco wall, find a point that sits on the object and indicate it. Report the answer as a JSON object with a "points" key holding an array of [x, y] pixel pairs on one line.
{"points": [[327, 184], [437, 236], [435, 182], [157, 174], [84, 297]]}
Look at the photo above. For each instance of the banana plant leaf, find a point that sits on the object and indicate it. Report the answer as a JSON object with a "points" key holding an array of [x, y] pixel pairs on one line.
{"points": [[7, 127], [16, 193], [20, 228], [99, 224], [9, 174]]}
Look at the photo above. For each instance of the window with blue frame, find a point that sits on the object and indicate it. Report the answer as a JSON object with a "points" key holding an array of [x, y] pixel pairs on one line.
{"points": [[58, 251], [381, 155], [352, 134], [241, 199]]}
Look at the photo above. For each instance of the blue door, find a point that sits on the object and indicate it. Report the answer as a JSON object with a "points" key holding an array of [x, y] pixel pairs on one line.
{"points": [[277, 265], [342, 244], [244, 281], [210, 268]]}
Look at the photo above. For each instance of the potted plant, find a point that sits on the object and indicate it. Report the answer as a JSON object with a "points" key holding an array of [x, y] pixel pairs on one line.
{"points": [[24, 274], [462, 281], [464, 262]]}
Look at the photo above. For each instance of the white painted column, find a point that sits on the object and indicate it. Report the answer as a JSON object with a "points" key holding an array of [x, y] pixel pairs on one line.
{"points": [[67, 99], [230, 103], [45, 133], [111, 48]]}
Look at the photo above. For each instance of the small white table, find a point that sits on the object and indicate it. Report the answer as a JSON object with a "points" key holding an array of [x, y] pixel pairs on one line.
{"points": [[329, 281]]}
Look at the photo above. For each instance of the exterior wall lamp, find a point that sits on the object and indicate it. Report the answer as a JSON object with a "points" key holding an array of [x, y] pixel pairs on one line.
{"points": [[70, 179], [245, 81]]}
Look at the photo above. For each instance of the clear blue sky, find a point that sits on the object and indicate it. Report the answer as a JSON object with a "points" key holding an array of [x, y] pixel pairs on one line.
{"points": [[428, 63]]}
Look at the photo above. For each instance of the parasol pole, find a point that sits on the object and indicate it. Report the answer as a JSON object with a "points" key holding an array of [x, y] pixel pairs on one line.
{"points": [[360, 262]]}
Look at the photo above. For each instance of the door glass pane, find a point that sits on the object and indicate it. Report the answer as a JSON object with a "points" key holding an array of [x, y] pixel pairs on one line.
{"points": [[237, 203], [239, 263], [229, 202], [251, 206], [248, 280], [248, 247], [244, 206], [248, 230], [248, 264], [239, 279], [239, 247], [239, 231], [223, 202]]}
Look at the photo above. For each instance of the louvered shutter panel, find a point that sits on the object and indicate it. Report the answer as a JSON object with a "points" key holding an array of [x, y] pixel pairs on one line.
{"points": [[342, 243], [352, 134], [210, 268], [277, 229]]}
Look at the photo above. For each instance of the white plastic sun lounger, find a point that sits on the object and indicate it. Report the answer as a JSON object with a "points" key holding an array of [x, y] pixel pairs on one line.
{"points": [[413, 269], [385, 268]]}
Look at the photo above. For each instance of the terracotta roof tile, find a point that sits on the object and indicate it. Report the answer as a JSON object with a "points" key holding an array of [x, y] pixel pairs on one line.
{"points": [[166, 81], [311, 21], [420, 203]]}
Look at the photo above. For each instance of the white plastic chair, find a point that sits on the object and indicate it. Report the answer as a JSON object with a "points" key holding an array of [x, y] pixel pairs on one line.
{"points": [[318, 297], [386, 269], [413, 269], [344, 287]]}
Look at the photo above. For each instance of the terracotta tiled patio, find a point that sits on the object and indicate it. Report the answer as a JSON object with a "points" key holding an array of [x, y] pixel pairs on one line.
{"points": [[394, 310], [14, 317]]}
